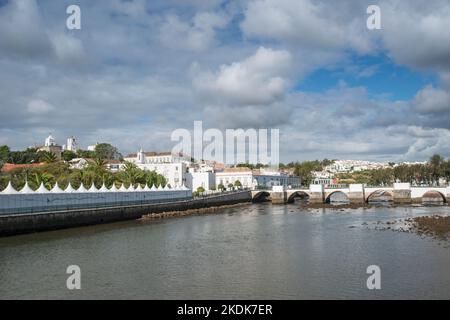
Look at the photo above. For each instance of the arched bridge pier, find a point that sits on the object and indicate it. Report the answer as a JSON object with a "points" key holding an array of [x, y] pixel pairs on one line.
{"points": [[355, 194]]}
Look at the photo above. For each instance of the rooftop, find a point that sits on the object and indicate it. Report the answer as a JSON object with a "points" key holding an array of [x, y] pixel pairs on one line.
{"points": [[7, 167]]}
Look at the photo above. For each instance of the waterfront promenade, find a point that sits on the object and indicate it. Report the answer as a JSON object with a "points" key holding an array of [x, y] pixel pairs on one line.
{"points": [[33, 211]]}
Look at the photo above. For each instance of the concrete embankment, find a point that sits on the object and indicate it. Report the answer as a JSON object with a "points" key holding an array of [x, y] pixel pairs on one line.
{"points": [[27, 223]]}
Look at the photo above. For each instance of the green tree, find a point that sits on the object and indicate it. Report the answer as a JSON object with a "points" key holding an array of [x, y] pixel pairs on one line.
{"points": [[131, 174], [200, 190], [86, 154], [28, 156], [221, 187], [4, 154], [436, 166], [41, 177], [237, 184], [305, 171], [107, 151], [47, 157], [68, 155]]}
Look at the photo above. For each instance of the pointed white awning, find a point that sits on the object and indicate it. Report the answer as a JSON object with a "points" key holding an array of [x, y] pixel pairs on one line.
{"points": [[10, 189], [56, 189], [82, 189], [26, 189], [104, 188], [42, 189], [69, 189], [93, 188]]}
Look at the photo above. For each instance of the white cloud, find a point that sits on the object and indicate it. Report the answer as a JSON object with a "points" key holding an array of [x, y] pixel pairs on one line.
{"points": [[430, 99], [68, 49], [426, 142], [21, 30], [197, 35], [38, 107], [307, 24], [416, 33], [260, 79]]}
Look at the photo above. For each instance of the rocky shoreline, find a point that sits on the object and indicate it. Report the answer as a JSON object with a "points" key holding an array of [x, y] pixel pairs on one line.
{"points": [[189, 212], [436, 227]]}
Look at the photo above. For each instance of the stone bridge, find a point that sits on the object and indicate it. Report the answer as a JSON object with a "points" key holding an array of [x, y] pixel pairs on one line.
{"points": [[357, 193]]}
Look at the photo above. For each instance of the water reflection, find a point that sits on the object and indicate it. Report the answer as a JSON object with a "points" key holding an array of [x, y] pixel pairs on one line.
{"points": [[258, 251]]}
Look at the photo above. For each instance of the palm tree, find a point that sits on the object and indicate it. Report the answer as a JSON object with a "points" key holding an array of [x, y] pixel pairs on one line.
{"points": [[98, 171], [42, 177], [132, 174], [48, 157]]}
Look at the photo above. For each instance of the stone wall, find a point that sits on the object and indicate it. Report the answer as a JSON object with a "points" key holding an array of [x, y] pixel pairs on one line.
{"points": [[35, 201], [32, 222]]}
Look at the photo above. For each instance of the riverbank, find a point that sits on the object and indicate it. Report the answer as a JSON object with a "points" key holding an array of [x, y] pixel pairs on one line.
{"points": [[436, 227], [189, 212]]}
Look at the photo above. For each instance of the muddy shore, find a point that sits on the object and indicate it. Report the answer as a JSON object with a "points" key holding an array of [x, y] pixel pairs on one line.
{"points": [[174, 214], [436, 227]]}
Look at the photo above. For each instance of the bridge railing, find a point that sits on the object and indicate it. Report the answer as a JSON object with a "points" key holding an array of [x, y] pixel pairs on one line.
{"points": [[336, 186]]}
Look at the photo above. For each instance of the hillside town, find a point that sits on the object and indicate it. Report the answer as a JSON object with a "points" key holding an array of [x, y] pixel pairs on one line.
{"points": [[177, 169], [204, 176]]}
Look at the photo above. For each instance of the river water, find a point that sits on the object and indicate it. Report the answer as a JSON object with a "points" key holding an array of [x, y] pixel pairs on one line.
{"points": [[258, 251]]}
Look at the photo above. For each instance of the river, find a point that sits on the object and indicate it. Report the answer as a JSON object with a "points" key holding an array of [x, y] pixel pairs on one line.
{"points": [[258, 251]]}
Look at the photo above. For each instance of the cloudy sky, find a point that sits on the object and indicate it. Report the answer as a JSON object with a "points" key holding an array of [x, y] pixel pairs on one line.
{"points": [[139, 69]]}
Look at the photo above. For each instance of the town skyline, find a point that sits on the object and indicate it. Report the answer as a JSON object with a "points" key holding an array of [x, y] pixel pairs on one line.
{"points": [[91, 147], [331, 86]]}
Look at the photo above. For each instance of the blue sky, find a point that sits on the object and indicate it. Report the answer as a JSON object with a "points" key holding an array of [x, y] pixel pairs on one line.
{"points": [[138, 69], [378, 74]]}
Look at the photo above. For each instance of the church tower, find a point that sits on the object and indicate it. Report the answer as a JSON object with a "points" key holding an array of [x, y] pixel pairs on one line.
{"points": [[141, 156]]}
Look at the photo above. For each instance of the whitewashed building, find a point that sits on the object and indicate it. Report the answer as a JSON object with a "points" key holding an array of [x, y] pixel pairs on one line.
{"points": [[71, 144], [142, 157], [172, 167], [196, 179], [255, 178]]}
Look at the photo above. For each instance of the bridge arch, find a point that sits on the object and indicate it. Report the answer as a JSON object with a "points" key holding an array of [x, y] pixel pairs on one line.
{"points": [[261, 196], [380, 196], [337, 196], [433, 196], [298, 195]]}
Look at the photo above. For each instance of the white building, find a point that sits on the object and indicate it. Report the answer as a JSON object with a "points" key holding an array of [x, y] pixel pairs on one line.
{"points": [[142, 157], [50, 141], [322, 177], [173, 167], [92, 147], [78, 163], [71, 144], [346, 166], [51, 146], [206, 180], [267, 178], [231, 175], [175, 173], [255, 178]]}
